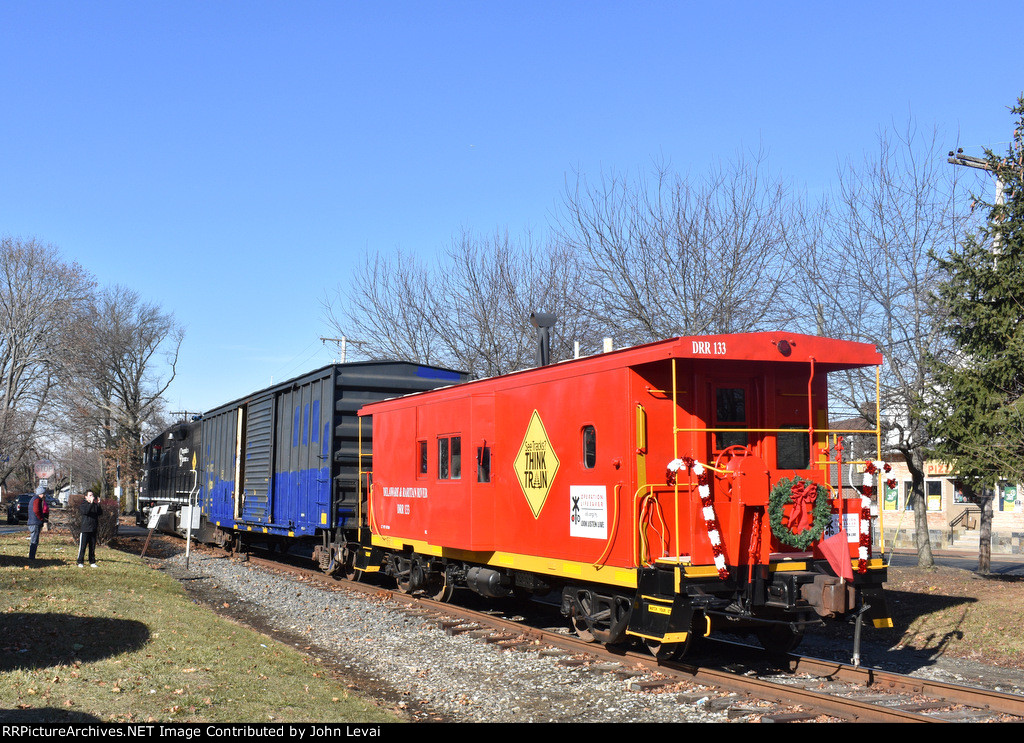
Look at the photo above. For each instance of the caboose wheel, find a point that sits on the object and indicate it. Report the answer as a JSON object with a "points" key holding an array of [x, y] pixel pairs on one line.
{"points": [[601, 619], [411, 575], [442, 588], [669, 650], [582, 629], [347, 564], [779, 639]]}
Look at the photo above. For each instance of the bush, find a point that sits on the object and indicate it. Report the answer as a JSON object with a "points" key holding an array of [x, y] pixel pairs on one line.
{"points": [[107, 527]]}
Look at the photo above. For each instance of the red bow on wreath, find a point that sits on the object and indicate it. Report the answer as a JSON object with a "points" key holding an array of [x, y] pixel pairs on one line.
{"points": [[803, 495]]}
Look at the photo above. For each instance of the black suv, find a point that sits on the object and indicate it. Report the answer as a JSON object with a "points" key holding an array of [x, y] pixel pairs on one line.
{"points": [[18, 508], [23, 503]]}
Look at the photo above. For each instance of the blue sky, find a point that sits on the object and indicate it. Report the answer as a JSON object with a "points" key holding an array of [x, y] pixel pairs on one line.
{"points": [[231, 160]]}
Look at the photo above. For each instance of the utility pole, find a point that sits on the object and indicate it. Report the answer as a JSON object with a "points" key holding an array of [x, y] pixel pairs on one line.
{"points": [[343, 342], [959, 158]]}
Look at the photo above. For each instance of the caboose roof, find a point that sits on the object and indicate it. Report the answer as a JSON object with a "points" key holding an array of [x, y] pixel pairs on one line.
{"points": [[829, 354]]}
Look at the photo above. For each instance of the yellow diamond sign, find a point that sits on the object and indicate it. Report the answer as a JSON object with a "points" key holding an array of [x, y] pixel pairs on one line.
{"points": [[536, 464]]}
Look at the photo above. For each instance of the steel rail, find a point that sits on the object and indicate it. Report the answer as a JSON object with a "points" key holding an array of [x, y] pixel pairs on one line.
{"points": [[813, 702], [986, 699]]}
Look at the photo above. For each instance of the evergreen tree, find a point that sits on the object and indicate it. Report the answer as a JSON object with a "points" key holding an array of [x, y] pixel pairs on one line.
{"points": [[977, 418]]}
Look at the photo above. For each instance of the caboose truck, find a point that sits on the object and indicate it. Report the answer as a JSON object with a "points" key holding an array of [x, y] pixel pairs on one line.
{"points": [[666, 491]]}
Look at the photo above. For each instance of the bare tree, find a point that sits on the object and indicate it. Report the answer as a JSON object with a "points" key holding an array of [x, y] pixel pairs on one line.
{"points": [[123, 366], [384, 309], [672, 256], [470, 311], [41, 298], [872, 275]]}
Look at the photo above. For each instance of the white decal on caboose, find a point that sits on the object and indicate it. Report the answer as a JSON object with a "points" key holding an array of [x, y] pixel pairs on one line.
{"points": [[709, 348], [588, 511], [405, 492], [851, 523]]}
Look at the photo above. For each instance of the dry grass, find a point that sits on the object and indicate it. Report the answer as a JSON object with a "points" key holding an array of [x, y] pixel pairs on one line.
{"points": [[958, 613], [123, 643]]}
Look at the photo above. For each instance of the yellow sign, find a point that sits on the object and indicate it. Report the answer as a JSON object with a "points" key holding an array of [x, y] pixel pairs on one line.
{"points": [[536, 465]]}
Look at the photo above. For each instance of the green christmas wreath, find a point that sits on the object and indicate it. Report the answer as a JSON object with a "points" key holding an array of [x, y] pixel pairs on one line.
{"points": [[781, 496]]}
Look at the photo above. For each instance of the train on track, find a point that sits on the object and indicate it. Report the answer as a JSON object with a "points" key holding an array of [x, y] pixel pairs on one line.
{"points": [[661, 493]]}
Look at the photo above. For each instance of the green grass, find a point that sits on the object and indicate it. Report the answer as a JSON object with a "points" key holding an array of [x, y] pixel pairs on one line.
{"points": [[123, 643]]}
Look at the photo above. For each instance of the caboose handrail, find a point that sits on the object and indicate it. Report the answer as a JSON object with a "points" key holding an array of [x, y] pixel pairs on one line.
{"points": [[638, 539], [776, 430], [600, 562], [675, 455], [359, 479], [708, 429], [812, 433], [639, 496]]}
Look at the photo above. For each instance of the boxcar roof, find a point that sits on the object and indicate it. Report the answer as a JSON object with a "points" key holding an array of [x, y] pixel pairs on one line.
{"points": [[381, 366], [829, 354]]}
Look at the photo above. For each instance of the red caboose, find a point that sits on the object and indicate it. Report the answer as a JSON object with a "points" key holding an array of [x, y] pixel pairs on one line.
{"points": [[672, 488]]}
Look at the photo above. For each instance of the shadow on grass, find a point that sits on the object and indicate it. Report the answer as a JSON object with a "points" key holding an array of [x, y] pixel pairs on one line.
{"points": [[17, 561], [30, 641], [884, 647], [50, 715], [160, 546], [1000, 578]]}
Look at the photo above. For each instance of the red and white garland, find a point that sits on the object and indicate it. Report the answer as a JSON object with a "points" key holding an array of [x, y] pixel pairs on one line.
{"points": [[710, 519], [864, 550]]}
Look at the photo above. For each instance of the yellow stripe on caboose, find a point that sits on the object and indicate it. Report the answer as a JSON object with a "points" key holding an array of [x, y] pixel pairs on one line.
{"points": [[613, 576]]}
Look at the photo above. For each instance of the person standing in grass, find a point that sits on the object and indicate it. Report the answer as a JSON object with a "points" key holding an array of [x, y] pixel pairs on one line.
{"points": [[90, 511], [38, 514]]}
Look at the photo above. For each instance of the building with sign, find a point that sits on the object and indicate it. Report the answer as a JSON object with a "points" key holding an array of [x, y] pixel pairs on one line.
{"points": [[953, 520]]}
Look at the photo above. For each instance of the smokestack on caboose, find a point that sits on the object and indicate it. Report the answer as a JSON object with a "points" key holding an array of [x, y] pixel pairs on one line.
{"points": [[543, 321]]}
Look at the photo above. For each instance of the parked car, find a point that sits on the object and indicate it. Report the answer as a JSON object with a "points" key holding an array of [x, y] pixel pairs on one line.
{"points": [[23, 504]]}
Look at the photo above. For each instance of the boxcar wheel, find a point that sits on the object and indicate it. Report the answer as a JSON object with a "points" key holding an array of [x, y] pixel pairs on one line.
{"points": [[347, 565]]}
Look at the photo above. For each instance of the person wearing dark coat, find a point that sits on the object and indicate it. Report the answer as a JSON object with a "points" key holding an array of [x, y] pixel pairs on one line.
{"points": [[90, 511], [37, 516]]}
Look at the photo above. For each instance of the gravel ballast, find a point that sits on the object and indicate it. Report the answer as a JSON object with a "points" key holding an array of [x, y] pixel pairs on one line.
{"points": [[408, 662]]}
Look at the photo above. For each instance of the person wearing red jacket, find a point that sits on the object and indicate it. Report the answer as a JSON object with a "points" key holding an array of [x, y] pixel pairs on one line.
{"points": [[38, 515]]}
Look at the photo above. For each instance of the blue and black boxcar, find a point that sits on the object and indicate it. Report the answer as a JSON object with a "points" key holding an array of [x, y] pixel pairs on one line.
{"points": [[282, 464]]}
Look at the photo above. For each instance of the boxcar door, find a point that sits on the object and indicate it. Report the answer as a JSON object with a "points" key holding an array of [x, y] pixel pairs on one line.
{"points": [[257, 463]]}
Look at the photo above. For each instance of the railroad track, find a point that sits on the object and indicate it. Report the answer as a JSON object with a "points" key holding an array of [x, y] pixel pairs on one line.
{"points": [[798, 689]]}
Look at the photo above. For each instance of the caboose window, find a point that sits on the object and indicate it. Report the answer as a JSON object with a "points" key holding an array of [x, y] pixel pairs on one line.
{"points": [[456, 449], [483, 463], [792, 450], [442, 459], [730, 412], [449, 457], [422, 446], [589, 447]]}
